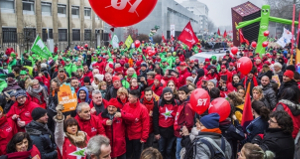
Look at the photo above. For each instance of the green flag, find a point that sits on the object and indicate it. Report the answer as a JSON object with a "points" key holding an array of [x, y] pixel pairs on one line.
{"points": [[115, 41], [128, 41], [40, 48]]}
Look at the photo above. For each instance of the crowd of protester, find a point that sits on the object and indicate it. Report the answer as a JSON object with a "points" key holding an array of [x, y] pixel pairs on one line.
{"points": [[136, 102]]}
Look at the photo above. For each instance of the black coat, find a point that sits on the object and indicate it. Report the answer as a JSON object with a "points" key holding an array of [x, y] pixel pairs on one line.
{"points": [[291, 84], [275, 140], [254, 128], [270, 96], [111, 93]]}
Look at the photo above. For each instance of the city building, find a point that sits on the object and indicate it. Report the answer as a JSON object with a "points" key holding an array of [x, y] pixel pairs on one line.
{"points": [[67, 22], [199, 9], [166, 13]]}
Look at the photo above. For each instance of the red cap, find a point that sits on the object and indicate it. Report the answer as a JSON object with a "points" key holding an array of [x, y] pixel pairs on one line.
{"points": [[207, 60], [223, 66], [157, 77], [119, 70], [192, 61], [289, 73], [231, 64], [110, 65], [182, 64], [267, 62], [116, 78], [114, 102]]}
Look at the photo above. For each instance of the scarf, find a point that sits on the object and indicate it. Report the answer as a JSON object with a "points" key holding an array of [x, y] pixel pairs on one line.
{"points": [[254, 81], [37, 91], [78, 140], [215, 130], [19, 155], [149, 104], [150, 82], [62, 80]]}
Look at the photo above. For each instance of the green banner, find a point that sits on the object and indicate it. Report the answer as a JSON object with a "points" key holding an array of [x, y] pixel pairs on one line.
{"points": [[40, 49], [128, 41]]}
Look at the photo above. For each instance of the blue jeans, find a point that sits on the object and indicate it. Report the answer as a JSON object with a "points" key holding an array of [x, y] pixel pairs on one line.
{"points": [[178, 147], [165, 146]]}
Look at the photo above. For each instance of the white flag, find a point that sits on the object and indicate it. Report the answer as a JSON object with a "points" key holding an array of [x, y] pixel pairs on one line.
{"points": [[115, 41], [286, 38]]}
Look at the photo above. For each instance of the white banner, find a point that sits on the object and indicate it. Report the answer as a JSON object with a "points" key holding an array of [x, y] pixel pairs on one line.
{"points": [[286, 38], [172, 30]]}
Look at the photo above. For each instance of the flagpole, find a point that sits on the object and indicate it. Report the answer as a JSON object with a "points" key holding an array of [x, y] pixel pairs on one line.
{"points": [[297, 50], [293, 29]]}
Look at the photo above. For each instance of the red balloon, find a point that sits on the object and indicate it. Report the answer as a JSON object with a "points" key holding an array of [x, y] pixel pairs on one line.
{"points": [[86, 45], [265, 44], [266, 33], [200, 100], [151, 53], [149, 48], [137, 43], [244, 65], [121, 13], [81, 48], [253, 44], [220, 106], [234, 50]]}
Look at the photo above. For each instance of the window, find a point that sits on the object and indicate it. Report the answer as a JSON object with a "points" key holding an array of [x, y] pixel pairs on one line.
{"points": [[62, 34], [28, 7], [29, 34], [61, 10], [87, 13], [9, 35], [87, 34], [46, 9], [75, 11], [97, 17], [47, 34], [7, 6], [76, 34]]}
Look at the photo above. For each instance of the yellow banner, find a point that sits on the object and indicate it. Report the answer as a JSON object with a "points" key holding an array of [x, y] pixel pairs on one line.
{"points": [[67, 98], [128, 41]]}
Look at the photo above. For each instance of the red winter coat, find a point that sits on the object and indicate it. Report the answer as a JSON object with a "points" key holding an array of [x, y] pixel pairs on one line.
{"points": [[116, 132], [92, 127], [184, 117], [100, 66], [181, 58], [296, 119], [157, 90], [68, 148], [33, 152], [8, 129], [167, 79], [183, 75], [24, 112], [226, 73], [139, 129]]}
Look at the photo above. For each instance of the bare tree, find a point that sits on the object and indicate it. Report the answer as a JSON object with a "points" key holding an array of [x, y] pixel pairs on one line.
{"points": [[211, 26], [283, 8]]}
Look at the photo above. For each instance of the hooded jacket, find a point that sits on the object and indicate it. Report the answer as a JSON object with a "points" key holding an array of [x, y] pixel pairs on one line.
{"points": [[116, 131], [183, 75], [293, 110], [87, 99], [8, 129], [24, 111], [42, 138], [139, 129], [13, 85], [270, 95]]}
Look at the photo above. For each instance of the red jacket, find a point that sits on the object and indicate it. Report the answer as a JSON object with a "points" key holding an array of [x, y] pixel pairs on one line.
{"points": [[92, 127], [150, 105], [166, 115], [227, 73], [24, 112], [182, 77], [100, 66], [69, 148], [296, 119], [167, 79], [157, 90], [8, 129], [139, 129], [181, 58], [184, 117], [116, 132]]}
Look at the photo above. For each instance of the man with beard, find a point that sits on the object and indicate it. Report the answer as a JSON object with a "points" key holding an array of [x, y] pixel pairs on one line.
{"points": [[112, 91], [108, 80], [75, 84], [38, 93], [130, 73], [12, 83], [288, 82], [268, 91], [21, 110], [87, 72], [61, 76]]}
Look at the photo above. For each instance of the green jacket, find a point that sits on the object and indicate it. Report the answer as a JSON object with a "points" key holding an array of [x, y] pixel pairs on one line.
{"points": [[164, 68], [3, 85], [11, 64], [170, 61], [125, 84], [70, 68]]}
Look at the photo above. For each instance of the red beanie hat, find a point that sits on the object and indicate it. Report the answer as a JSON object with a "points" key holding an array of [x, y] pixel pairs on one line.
{"points": [[114, 102], [116, 78], [157, 77], [289, 73], [119, 70], [207, 60], [111, 65]]}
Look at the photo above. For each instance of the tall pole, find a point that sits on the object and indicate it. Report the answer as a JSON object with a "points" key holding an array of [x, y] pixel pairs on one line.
{"points": [[293, 30], [69, 25]]}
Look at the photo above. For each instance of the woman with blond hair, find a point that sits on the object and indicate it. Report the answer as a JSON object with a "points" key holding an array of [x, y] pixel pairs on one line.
{"points": [[122, 97], [257, 95], [151, 153], [238, 104], [172, 85], [251, 151]]}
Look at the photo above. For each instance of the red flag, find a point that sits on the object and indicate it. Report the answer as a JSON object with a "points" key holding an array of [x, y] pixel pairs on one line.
{"points": [[247, 111], [188, 36], [109, 36], [163, 38], [225, 34], [242, 38], [219, 33]]}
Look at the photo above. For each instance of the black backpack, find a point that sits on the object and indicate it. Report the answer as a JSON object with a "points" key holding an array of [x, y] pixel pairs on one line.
{"points": [[215, 153]]}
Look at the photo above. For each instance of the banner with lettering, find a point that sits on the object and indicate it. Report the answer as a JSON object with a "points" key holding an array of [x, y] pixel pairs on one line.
{"points": [[40, 49]]}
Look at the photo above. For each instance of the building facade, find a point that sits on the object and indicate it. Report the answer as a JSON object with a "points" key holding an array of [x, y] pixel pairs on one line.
{"points": [[199, 9], [165, 14], [67, 22]]}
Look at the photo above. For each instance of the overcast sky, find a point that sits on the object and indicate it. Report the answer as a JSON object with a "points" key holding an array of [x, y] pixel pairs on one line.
{"points": [[220, 10]]}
